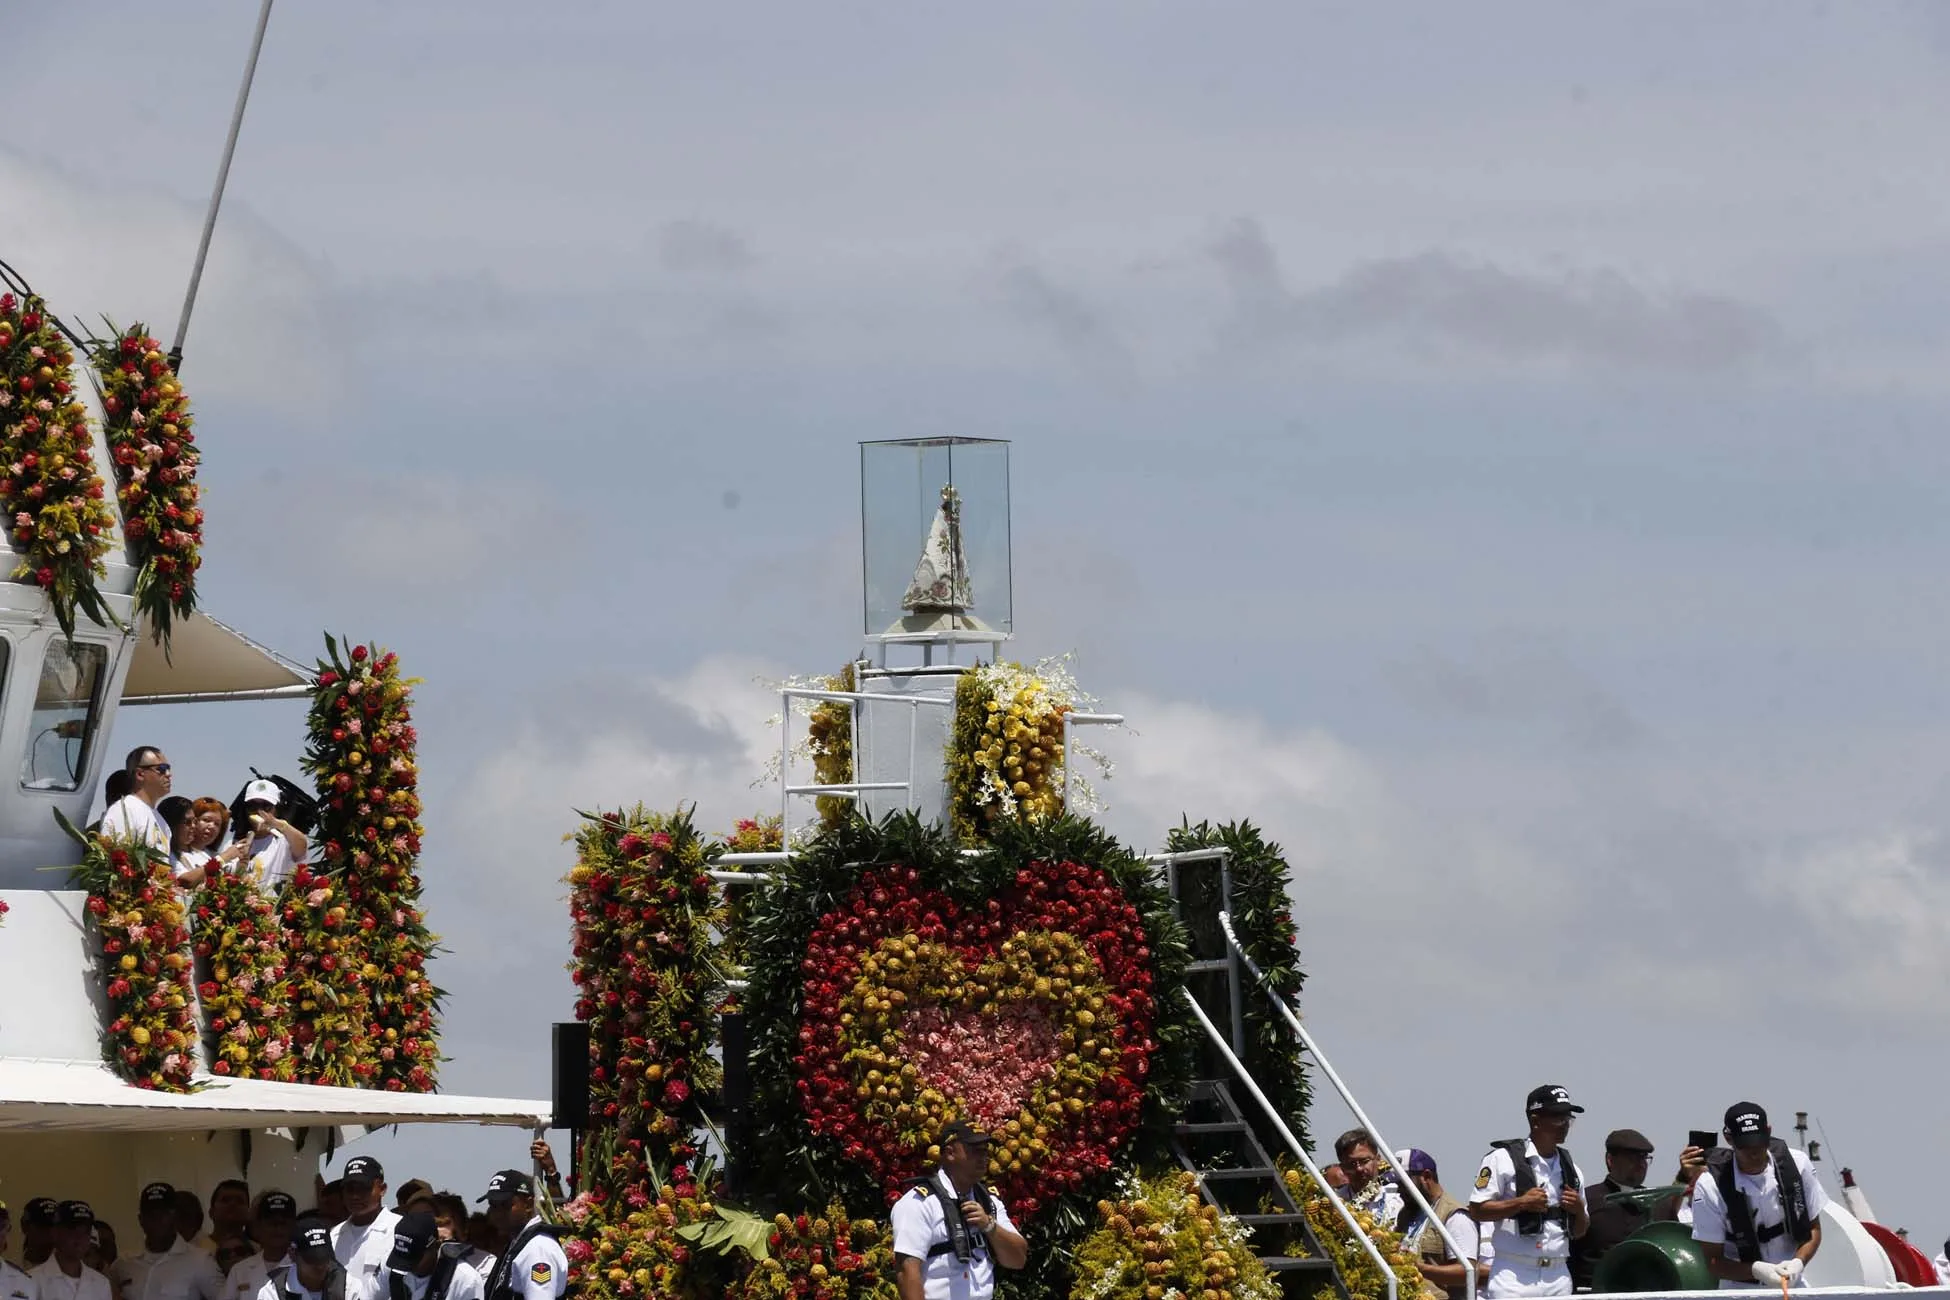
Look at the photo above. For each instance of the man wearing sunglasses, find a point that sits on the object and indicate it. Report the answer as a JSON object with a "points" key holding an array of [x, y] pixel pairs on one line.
{"points": [[133, 817]]}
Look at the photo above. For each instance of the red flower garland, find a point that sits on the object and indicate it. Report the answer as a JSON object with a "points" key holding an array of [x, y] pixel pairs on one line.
{"points": [[329, 998], [52, 496], [246, 993], [155, 457], [146, 964], [1054, 977], [640, 903], [362, 758]]}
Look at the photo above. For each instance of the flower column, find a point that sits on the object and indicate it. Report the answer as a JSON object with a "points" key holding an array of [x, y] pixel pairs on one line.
{"points": [[362, 758]]}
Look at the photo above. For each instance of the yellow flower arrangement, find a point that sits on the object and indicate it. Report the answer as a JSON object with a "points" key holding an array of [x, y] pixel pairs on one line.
{"points": [[1006, 759], [1161, 1239], [1358, 1272]]}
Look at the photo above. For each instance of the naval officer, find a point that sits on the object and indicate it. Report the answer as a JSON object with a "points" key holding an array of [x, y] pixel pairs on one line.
{"points": [[1533, 1192], [1757, 1208]]}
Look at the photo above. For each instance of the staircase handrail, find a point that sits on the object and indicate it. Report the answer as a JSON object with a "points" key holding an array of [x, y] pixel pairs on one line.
{"points": [[1387, 1154], [1286, 1135]]}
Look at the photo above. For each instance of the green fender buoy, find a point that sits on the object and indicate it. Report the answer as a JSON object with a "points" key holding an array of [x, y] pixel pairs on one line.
{"points": [[1658, 1257]]}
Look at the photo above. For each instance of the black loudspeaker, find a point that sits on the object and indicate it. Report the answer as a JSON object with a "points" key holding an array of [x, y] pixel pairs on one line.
{"points": [[570, 1087], [737, 1101]]}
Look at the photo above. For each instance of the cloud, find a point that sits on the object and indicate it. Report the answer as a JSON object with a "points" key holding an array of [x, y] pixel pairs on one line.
{"points": [[264, 325], [702, 246], [1031, 297], [1518, 681], [1883, 900], [1442, 303]]}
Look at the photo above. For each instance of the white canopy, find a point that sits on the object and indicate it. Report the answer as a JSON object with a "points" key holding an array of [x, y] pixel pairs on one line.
{"points": [[209, 660], [43, 1095]]}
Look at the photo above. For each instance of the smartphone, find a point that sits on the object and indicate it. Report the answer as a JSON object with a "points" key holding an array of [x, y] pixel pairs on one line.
{"points": [[1703, 1138]]}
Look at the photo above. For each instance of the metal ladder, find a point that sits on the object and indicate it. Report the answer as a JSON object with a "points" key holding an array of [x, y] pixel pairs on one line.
{"points": [[1213, 1142]]}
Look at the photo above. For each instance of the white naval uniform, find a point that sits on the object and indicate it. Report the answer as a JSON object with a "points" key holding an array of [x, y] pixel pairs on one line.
{"points": [[541, 1270], [56, 1285], [1518, 1265], [248, 1276], [15, 1284], [920, 1223], [467, 1284], [363, 1252], [1763, 1193], [180, 1273], [355, 1289]]}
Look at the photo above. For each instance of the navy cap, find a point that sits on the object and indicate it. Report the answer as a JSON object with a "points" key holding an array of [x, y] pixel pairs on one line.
{"points": [[159, 1194], [277, 1205], [963, 1132], [363, 1169], [1747, 1125], [39, 1212], [413, 1236], [507, 1185], [312, 1241], [1550, 1100], [74, 1214]]}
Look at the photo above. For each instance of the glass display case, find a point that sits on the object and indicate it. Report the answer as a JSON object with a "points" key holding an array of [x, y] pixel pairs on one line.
{"points": [[934, 526]]}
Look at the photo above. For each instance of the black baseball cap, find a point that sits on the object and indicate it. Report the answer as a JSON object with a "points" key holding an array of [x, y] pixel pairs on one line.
{"points": [[74, 1214], [965, 1133], [1747, 1125], [312, 1241], [276, 1205], [159, 1194], [363, 1169], [40, 1212], [507, 1185], [413, 1236], [1628, 1139], [1550, 1099]]}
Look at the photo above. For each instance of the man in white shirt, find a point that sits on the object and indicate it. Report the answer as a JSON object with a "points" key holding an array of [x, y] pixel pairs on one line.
{"points": [[422, 1267], [167, 1267], [1757, 1208], [533, 1266], [37, 1219], [364, 1242], [950, 1232], [314, 1273], [272, 1221], [1942, 1264], [62, 1275], [276, 846], [133, 817], [14, 1282], [1369, 1187], [1532, 1192]]}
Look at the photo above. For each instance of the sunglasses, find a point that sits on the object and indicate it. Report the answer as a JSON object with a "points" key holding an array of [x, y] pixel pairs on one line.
{"points": [[156, 767]]}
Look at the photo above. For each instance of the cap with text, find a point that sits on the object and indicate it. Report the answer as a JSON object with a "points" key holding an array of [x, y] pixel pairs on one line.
{"points": [[1747, 1125], [277, 1205], [74, 1214], [507, 1185], [39, 1212], [159, 1194], [312, 1241], [363, 1169], [413, 1236], [1550, 1099]]}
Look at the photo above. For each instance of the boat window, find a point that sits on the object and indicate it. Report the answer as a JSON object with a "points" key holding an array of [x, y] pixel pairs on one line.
{"points": [[67, 705]]}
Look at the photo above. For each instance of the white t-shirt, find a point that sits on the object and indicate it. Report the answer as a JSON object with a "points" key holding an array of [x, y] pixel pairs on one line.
{"points": [[190, 859], [355, 1289], [270, 865], [467, 1284], [1497, 1181], [56, 1285], [129, 818], [920, 1222], [1763, 1193], [248, 1276], [180, 1273], [364, 1251], [541, 1270]]}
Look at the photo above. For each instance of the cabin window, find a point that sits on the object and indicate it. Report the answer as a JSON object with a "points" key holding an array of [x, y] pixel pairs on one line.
{"points": [[67, 705]]}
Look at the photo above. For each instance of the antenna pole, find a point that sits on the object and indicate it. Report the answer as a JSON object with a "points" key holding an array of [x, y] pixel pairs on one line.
{"points": [[216, 195]]}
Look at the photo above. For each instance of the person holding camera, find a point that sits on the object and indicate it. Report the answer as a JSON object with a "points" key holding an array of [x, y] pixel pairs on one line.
{"points": [[950, 1232], [1757, 1209], [275, 847], [1533, 1191]]}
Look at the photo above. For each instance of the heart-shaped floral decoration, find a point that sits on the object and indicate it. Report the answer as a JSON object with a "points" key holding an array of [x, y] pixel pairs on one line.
{"points": [[1030, 1015]]}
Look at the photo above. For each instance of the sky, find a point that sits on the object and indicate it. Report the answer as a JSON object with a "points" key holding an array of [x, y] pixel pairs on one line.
{"points": [[1498, 450]]}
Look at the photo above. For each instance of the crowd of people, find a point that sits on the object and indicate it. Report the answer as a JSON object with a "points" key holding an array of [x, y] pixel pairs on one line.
{"points": [[1533, 1226], [262, 847], [348, 1244]]}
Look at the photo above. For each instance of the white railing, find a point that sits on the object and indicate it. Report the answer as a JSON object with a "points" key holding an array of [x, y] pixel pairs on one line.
{"points": [[1382, 1149], [1286, 1135], [856, 700]]}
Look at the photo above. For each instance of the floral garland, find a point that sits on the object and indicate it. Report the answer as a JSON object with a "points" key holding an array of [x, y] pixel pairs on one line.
{"points": [[361, 755], [329, 997], [147, 423], [750, 835], [829, 738], [1007, 756], [246, 993], [151, 1038], [1262, 918], [637, 1254], [1161, 1239], [829, 1257], [49, 488], [885, 958], [640, 904], [1356, 1270]]}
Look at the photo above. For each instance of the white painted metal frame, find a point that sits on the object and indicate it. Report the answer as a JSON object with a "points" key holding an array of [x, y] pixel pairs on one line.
{"points": [[1069, 755], [1382, 1149], [849, 789]]}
